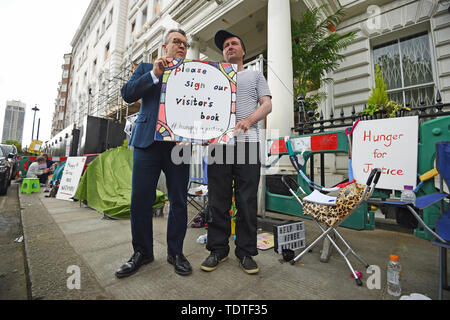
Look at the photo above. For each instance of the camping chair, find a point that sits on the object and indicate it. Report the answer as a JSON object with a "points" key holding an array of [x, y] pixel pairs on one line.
{"points": [[442, 234], [328, 210], [332, 211], [198, 188]]}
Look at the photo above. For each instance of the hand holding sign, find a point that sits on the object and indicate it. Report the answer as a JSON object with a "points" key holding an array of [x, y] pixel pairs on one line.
{"points": [[159, 66], [241, 127]]}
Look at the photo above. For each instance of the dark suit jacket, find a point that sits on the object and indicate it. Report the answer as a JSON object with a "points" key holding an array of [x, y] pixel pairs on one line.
{"points": [[141, 86]]}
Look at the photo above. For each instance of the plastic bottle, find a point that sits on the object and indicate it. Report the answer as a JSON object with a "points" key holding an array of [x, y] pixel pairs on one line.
{"points": [[202, 239], [408, 195], [166, 209], [394, 271]]}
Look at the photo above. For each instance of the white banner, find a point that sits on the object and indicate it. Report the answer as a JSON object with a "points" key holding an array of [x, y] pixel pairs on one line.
{"points": [[388, 144]]}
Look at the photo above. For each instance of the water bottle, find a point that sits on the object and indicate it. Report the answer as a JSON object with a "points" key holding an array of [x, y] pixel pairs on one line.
{"points": [[166, 209], [202, 239], [408, 195], [394, 271]]}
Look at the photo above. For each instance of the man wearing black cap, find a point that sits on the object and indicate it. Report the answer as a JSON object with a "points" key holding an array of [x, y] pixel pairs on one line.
{"points": [[244, 171]]}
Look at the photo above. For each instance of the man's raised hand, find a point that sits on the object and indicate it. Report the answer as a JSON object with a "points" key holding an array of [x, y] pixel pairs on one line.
{"points": [[159, 65]]}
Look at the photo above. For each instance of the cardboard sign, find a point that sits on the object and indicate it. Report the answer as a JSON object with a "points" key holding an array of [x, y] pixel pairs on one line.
{"points": [[198, 102], [70, 178], [290, 235], [35, 147], [388, 144]]}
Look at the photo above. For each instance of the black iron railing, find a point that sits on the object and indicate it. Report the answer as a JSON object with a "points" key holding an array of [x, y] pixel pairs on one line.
{"points": [[304, 126]]}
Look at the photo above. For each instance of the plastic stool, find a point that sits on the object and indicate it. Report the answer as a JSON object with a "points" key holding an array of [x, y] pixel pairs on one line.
{"points": [[30, 185]]}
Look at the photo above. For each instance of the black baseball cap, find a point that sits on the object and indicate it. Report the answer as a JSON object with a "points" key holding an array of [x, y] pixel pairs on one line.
{"points": [[223, 35]]}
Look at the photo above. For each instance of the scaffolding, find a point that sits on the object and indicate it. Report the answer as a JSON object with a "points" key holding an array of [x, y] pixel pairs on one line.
{"points": [[106, 101]]}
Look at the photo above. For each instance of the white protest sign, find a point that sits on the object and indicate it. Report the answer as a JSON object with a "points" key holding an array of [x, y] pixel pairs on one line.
{"points": [[198, 102], [70, 178], [388, 144]]}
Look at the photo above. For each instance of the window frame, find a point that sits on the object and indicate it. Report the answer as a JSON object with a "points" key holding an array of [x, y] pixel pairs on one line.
{"points": [[107, 51], [396, 37]]}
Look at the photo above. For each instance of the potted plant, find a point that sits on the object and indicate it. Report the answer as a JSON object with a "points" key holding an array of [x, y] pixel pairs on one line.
{"points": [[316, 51], [379, 102]]}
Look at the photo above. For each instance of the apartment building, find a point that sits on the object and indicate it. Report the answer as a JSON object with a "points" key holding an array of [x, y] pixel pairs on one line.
{"points": [[59, 121], [409, 39], [14, 121], [97, 55]]}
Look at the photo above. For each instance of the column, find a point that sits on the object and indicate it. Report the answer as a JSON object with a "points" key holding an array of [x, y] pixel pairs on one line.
{"points": [[280, 73], [194, 50]]}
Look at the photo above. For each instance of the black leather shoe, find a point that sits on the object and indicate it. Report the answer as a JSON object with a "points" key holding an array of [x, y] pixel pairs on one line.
{"points": [[132, 266], [181, 264]]}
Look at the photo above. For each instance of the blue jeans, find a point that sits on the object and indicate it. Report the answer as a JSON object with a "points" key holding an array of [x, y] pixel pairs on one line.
{"points": [[147, 166]]}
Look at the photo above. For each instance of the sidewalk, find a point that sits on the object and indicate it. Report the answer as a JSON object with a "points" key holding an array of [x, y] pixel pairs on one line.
{"points": [[59, 234]]}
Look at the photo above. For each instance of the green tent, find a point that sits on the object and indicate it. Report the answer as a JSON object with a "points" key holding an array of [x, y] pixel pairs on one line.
{"points": [[106, 184]]}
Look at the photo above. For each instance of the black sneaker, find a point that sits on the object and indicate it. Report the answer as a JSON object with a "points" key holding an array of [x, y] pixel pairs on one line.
{"points": [[248, 265], [212, 261]]}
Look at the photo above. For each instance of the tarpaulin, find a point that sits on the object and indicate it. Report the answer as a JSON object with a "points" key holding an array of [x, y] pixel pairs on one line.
{"points": [[106, 184], [57, 174]]}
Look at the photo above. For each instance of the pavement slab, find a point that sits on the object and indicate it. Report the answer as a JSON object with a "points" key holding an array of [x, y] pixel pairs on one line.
{"points": [[62, 233]]}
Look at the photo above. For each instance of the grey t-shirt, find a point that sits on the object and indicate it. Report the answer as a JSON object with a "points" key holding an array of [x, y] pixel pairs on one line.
{"points": [[251, 86]]}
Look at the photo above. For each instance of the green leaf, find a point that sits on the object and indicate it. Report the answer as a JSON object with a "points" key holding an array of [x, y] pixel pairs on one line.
{"points": [[316, 51]]}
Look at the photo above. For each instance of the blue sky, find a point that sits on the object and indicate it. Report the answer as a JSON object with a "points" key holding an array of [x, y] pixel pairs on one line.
{"points": [[34, 36]]}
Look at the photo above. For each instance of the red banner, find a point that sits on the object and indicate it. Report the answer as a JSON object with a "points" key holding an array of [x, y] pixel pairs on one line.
{"points": [[324, 142]]}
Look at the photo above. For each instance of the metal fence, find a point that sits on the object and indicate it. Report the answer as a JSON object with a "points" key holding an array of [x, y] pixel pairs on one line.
{"points": [[305, 126]]}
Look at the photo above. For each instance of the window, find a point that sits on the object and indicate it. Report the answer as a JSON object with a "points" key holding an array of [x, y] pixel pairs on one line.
{"points": [[133, 28], [154, 55], [62, 102], [110, 17], [104, 26], [156, 7], [98, 35], [107, 52], [65, 74], [64, 88], [144, 16], [67, 60], [407, 69], [94, 66]]}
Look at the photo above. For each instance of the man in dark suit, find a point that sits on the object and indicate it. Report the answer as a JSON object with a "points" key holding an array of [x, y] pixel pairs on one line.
{"points": [[149, 158]]}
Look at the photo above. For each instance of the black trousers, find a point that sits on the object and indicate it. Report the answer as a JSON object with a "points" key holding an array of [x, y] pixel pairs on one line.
{"points": [[243, 168], [43, 178], [147, 166]]}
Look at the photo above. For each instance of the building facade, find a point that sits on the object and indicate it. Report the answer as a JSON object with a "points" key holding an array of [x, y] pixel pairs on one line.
{"points": [[59, 115], [14, 121], [97, 55], [409, 39]]}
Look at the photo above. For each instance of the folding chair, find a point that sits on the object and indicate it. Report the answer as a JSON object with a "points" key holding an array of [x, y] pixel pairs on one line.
{"points": [[332, 211], [442, 234], [198, 192]]}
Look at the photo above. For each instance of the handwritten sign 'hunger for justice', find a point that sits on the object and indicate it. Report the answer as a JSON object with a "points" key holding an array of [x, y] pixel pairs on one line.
{"points": [[198, 102], [388, 144]]}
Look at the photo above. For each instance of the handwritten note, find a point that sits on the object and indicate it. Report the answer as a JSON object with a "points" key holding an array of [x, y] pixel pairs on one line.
{"points": [[198, 102], [70, 178], [388, 144]]}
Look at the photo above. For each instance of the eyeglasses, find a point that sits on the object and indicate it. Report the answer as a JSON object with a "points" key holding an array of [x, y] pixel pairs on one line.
{"points": [[178, 42]]}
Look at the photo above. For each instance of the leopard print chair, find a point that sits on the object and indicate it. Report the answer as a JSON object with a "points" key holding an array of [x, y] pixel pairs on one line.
{"points": [[331, 215]]}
